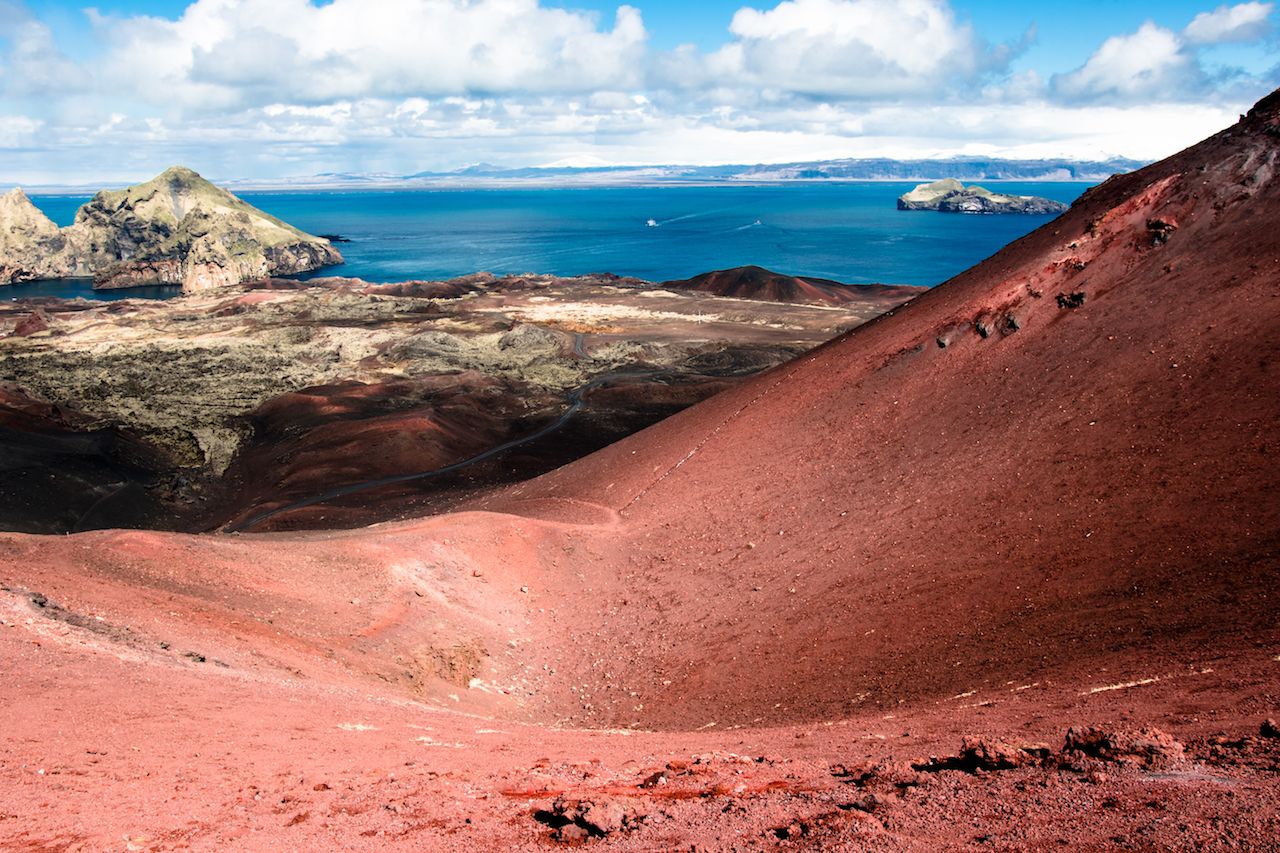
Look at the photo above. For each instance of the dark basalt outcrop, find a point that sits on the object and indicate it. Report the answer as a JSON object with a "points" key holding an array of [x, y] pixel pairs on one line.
{"points": [[174, 229], [951, 196]]}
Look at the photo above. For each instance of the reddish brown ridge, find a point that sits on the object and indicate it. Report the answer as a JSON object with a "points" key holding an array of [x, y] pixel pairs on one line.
{"points": [[753, 282]]}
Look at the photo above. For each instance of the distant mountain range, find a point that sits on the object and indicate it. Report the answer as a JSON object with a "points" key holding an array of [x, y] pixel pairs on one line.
{"points": [[879, 169]]}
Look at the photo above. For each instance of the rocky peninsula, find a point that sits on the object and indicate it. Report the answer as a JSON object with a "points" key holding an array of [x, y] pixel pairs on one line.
{"points": [[176, 229], [951, 196]]}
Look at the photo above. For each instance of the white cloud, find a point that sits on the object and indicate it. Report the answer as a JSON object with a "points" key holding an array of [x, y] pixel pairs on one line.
{"points": [[19, 131], [842, 48], [262, 88], [1243, 22], [1157, 64], [224, 53], [32, 66], [1151, 63]]}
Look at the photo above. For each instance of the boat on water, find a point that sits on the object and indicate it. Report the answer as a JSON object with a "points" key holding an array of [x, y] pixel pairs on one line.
{"points": [[652, 223]]}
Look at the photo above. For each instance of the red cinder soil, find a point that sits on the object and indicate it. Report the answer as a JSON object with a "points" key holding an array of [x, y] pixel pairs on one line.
{"points": [[995, 570]]}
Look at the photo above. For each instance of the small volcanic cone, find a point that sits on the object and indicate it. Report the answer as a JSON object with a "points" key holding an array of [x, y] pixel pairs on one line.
{"points": [[752, 282], [35, 322]]}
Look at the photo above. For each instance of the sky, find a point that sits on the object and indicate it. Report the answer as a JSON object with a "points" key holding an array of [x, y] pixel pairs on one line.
{"points": [[122, 89]]}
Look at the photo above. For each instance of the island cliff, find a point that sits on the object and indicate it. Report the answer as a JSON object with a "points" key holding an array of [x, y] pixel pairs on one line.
{"points": [[951, 196], [176, 229]]}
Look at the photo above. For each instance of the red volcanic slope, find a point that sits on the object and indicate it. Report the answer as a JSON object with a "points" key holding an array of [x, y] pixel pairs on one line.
{"points": [[1042, 495], [987, 485], [752, 282]]}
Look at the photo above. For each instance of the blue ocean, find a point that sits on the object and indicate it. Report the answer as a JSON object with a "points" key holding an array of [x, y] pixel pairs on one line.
{"points": [[850, 232]]}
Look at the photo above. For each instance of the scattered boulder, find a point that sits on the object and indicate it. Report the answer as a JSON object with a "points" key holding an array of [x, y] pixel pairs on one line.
{"points": [[1144, 746], [1071, 301], [867, 803], [983, 755], [1269, 728], [595, 817], [793, 831], [1147, 746], [653, 780], [1160, 230]]}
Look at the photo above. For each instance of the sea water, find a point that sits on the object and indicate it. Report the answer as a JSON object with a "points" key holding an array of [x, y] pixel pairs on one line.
{"points": [[850, 232]]}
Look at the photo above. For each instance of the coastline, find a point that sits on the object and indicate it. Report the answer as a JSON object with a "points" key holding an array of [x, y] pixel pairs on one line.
{"points": [[248, 186], [841, 231], [838, 171]]}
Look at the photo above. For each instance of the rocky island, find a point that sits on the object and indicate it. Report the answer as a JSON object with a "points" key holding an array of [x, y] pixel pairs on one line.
{"points": [[176, 229], [951, 196]]}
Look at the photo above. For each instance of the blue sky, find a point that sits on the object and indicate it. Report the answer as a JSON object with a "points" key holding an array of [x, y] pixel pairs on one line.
{"points": [[267, 88]]}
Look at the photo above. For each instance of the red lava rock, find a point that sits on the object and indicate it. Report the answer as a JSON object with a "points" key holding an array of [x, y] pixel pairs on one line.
{"points": [[599, 816], [1161, 229], [981, 754], [868, 804], [1146, 746], [654, 780]]}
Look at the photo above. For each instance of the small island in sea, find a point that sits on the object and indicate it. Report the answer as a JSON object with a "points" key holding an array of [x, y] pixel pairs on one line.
{"points": [[951, 196]]}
